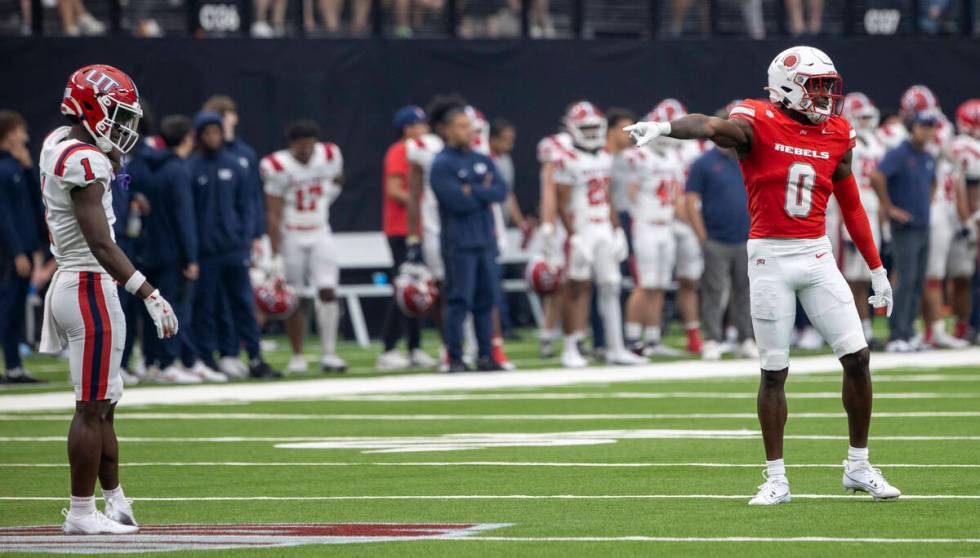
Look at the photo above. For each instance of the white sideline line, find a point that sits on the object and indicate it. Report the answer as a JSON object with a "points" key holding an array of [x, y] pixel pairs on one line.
{"points": [[544, 417], [490, 464], [643, 538], [319, 389], [894, 378], [543, 396], [496, 497], [694, 435]]}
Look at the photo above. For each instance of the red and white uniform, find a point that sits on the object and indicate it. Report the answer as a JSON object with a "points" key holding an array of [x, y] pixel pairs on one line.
{"points": [[422, 152], [867, 153], [690, 258], [951, 254], [788, 175], [657, 174], [894, 134], [965, 152], [307, 190], [81, 308], [550, 150], [591, 252]]}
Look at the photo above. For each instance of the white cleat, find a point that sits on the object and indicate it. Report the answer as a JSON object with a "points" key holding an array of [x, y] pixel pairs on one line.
{"points": [[128, 378], [573, 359], [332, 363], [206, 374], [232, 367], [94, 523], [772, 492], [393, 360], [174, 374], [297, 365], [747, 349], [862, 477], [711, 350], [120, 511], [421, 359], [659, 349], [898, 346], [810, 340], [944, 340], [626, 358]]}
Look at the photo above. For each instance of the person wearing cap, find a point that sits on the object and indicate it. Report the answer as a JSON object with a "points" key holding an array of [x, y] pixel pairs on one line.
{"points": [[411, 124], [904, 181], [223, 206]]}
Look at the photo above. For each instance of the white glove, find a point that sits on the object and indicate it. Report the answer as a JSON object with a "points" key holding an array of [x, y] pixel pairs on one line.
{"points": [[643, 133], [882, 297], [621, 248], [548, 241], [277, 268], [162, 314]]}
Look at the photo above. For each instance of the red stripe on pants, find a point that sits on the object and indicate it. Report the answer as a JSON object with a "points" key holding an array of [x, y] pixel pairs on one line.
{"points": [[83, 306], [106, 336]]}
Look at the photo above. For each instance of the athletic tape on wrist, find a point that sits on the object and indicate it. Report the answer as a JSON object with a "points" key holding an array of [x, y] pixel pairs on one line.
{"points": [[134, 282]]}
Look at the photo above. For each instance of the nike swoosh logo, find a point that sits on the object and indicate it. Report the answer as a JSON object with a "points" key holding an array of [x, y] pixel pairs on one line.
{"points": [[820, 255]]}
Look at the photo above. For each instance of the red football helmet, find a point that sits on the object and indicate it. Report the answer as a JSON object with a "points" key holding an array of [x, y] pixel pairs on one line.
{"points": [[106, 102], [481, 130], [968, 118], [543, 276], [415, 290], [587, 126], [276, 298], [917, 98], [667, 111], [860, 111]]}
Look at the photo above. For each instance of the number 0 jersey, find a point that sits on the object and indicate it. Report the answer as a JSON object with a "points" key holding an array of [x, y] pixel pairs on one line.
{"points": [[67, 164], [789, 171], [306, 190]]}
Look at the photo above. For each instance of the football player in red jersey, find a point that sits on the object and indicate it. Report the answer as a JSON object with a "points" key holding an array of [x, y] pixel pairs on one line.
{"points": [[794, 151]]}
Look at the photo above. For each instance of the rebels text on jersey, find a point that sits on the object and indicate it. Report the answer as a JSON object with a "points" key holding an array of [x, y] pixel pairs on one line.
{"points": [[307, 189], [588, 175], [789, 170], [659, 176], [66, 164]]}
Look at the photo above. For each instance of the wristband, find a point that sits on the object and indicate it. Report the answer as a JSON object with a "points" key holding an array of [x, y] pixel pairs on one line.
{"points": [[134, 282], [665, 129], [412, 239]]}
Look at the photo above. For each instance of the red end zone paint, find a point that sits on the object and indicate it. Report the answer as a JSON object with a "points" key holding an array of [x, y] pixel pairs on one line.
{"points": [[170, 538]]}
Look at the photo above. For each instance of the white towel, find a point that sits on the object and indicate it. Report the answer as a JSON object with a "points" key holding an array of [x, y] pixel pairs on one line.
{"points": [[53, 341]]}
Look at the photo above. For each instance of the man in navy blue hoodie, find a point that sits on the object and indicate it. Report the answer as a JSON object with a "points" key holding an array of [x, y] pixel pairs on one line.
{"points": [[224, 207]]}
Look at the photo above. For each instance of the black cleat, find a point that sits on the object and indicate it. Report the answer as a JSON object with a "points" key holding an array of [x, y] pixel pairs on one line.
{"points": [[262, 370], [457, 366], [20, 376], [487, 364], [547, 349]]}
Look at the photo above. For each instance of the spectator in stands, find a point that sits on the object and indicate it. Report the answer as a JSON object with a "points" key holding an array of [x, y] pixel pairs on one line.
{"points": [[223, 207], [411, 124], [229, 339], [931, 18], [266, 10], [18, 240], [77, 21], [331, 10], [466, 183], [409, 14], [904, 181], [814, 19], [751, 14], [718, 208]]}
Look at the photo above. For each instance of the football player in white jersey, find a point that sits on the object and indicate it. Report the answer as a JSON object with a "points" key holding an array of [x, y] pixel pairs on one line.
{"points": [[655, 183], [965, 152], [300, 183], [918, 98], [81, 308], [596, 242], [867, 152], [690, 259]]}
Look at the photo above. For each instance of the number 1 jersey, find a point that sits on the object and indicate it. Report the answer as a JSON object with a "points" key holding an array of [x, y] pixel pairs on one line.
{"points": [[789, 171]]}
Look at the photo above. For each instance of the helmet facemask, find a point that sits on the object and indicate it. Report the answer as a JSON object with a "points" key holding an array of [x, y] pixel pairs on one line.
{"points": [[823, 96], [118, 128], [589, 136]]}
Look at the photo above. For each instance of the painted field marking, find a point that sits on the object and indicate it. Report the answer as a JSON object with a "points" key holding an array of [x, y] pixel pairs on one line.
{"points": [[543, 464], [642, 538], [495, 497]]}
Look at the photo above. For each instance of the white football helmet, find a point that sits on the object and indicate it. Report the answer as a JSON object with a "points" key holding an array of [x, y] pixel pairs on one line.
{"points": [[861, 112], [587, 126], [481, 130], [917, 98], [415, 290], [804, 79], [667, 110]]}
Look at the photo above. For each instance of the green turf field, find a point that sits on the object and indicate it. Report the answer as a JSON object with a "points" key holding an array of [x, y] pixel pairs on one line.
{"points": [[576, 470]]}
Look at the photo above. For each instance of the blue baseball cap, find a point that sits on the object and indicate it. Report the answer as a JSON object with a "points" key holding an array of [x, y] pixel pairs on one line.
{"points": [[408, 115], [925, 117], [205, 118]]}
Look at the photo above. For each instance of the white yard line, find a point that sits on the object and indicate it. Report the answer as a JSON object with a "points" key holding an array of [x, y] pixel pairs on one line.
{"points": [[543, 464], [418, 383], [496, 497], [128, 416], [643, 538]]}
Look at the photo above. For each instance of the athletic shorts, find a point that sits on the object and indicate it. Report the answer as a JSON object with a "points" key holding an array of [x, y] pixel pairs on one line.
{"points": [[654, 255], [592, 255], [690, 259], [309, 258]]}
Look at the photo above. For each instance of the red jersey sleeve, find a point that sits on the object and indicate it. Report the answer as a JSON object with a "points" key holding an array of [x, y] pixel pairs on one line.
{"points": [[746, 110], [856, 220]]}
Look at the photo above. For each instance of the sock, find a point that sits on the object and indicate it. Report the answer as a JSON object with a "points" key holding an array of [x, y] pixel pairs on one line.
{"points": [[497, 350], [327, 318], [546, 334], [857, 455], [938, 328], [633, 331], [776, 469], [82, 505], [571, 342], [115, 494], [652, 334], [693, 336], [961, 329], [866, 326], [612, 317]]}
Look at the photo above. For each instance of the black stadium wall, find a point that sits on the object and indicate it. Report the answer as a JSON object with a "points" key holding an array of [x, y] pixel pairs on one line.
{"points": [[353, 87]]}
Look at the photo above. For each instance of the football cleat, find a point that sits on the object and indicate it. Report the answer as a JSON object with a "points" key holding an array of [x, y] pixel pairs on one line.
{"points": [[546, 349], [20, 376], [261, 369], [659, 349], [297, 364], [862, 477], [711, 350], [174, 374], [747, 349], [332, 363], [772, 492], [421, 359], [625, 357], [943, 340], [232, 367], [488, 364], [207, 374], [95, 523], [120, 510], [392, 360], [572, 358]]}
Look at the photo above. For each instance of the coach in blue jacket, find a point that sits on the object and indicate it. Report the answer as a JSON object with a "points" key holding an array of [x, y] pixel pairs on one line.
{"points": [[465, 184], [224, 208]]}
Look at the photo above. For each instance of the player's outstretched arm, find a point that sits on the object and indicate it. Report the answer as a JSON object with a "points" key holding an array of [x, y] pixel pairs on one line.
{"points": [[95, 228], [734, 133]]}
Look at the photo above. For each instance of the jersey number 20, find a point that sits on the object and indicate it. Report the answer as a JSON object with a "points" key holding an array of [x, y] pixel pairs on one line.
{"points": [[799, 189]]}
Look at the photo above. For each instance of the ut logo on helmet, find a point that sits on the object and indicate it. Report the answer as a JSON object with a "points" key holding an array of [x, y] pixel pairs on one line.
{"points": [[100, 82]]}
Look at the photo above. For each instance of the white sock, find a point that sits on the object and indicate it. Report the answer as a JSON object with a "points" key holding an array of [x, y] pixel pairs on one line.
{"points": [[652, 334], [546, 334], [857, 455], [571, 342], [116, 494], [866, 325], [938, 328], [82, 505], [633, 331], [612, 317], [692, 325], [327, 319], [776, 469]]}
